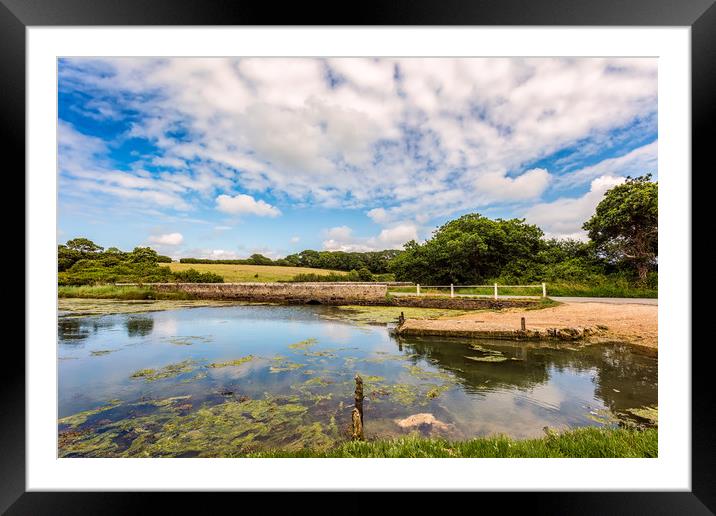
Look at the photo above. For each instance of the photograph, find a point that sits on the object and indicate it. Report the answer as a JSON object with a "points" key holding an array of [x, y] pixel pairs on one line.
{"points": [[357, 257]]}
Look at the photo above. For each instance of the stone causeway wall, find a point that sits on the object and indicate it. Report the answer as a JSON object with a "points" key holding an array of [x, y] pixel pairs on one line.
{"points": [[299, 293]]}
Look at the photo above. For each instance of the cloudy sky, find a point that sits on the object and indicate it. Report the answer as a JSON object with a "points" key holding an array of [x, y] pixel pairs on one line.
{"points": [[226, 157]]}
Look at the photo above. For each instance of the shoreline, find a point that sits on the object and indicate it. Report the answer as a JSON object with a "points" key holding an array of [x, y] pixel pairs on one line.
{"points": [[583, 322], [587, 323]]}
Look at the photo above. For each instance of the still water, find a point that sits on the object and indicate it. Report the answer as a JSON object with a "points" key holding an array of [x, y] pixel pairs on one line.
{"points": [[222, 381]]}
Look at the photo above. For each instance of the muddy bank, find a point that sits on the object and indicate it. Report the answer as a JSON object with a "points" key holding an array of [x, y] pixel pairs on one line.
{"points": [[564, 334], [588, 322]]}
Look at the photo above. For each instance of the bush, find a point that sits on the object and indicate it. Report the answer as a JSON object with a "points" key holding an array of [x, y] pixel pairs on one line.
{"points": [[310, 278], [194, 276]]}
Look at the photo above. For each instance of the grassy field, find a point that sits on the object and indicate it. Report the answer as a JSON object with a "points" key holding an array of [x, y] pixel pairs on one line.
{"points": [[249, 273], [587, 442]]}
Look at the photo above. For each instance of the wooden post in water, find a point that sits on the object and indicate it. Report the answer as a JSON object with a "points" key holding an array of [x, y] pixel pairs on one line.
{"points": [[523, 324], [358, 410]]}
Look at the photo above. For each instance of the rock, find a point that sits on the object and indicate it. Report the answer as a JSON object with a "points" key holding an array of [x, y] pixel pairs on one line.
{"points": [[418, 420]]}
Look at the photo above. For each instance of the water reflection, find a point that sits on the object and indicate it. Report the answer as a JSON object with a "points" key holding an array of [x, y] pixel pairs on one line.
{"points": [[623, 379], [303, 363], [70, 329], [139, 326]]}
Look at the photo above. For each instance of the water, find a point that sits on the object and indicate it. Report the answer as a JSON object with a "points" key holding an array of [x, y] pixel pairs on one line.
{"points": [[293, 385]]}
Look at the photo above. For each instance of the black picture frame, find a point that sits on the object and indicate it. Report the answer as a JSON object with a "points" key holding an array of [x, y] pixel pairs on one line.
{"points": [[17, 15]]}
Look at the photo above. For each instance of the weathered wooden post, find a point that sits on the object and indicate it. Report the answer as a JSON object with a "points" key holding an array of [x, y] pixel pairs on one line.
{"points": [[452, 290], [495, 290], [417, 286], [401, 319], [358, 410], [523, 324], [544, 289]]}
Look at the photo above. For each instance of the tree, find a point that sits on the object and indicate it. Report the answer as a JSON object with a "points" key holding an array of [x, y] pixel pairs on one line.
{"points": [[468, 250], [259, 259], [83, 245], [625, 226], [143, 255]]}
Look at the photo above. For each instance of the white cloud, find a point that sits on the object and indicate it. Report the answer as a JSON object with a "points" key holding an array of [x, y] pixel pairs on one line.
{"points": [[529, 185], [295, 239], [401, 139], [564, 217], [167, 239], [396, 236], [212, 254], [341, 238], [242, 204]]}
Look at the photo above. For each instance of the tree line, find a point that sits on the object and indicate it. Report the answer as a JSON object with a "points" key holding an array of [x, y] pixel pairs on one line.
{"points": [[622, 246], [377, 262], [474, 249], [82, 262]]}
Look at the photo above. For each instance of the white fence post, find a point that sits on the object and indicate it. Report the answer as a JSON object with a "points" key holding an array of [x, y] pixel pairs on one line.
{"points": [[452, 291], [495, 290], [418, 288], [544, 289]]}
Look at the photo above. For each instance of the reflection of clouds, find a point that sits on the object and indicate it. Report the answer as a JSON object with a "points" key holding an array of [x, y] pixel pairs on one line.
{"points": [[165, 326], [548, 396], [339, 333], [519, 414], [236, 372]]}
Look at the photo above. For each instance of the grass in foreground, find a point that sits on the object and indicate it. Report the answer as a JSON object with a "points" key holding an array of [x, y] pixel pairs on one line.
{"points": [[587, 442], [118, 292], [249, 273]]}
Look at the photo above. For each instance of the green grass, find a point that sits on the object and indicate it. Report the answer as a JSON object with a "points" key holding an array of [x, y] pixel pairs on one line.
{"points": [[248, 273], [117, 292], [566, 289], [473, 291], [587, 442]]}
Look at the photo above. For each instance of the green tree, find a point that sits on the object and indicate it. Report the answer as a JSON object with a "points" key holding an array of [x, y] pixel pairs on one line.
{"points": [[259, 259], [84, 245], [470, 249], [143, 255], [624, 227]]}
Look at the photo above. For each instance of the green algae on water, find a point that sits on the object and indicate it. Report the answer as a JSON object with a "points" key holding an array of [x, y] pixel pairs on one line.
{"points": [[186, 340], [101, 352], [387, 314], [81, 417], [304, 344], [285, 366], [198, 376], [236, 362], [651, 413], [489, 358], [169, 371], [477, 347]]}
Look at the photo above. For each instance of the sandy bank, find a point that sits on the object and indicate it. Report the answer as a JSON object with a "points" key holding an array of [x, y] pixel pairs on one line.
{"points": [[596, 322]]}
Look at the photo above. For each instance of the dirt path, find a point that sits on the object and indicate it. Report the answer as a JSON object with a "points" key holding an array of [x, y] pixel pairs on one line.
{"points": [[633, 323]]}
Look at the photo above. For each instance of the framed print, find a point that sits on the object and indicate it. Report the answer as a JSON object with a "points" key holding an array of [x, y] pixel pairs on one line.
{"points": [[363, 254]]}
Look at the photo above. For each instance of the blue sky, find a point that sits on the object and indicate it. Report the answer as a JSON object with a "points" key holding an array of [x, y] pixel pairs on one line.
{"points": [[217, 157]]}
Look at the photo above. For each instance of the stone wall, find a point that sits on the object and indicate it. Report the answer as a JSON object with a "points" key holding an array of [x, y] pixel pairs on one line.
{"points": [[300, 293]]}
